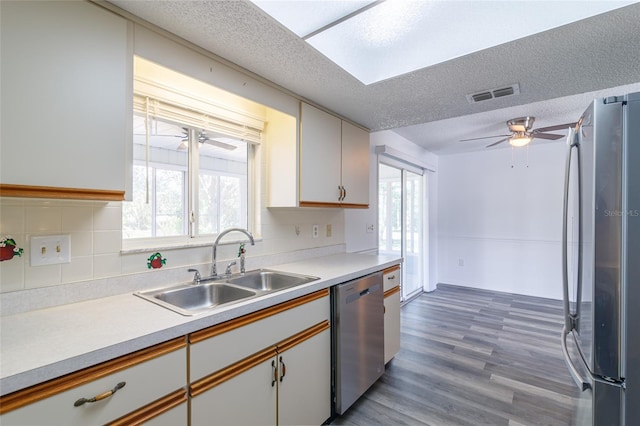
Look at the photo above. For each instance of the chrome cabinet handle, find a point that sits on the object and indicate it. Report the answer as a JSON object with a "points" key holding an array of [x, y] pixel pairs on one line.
{"points": [[101, 396], [283, 369]]}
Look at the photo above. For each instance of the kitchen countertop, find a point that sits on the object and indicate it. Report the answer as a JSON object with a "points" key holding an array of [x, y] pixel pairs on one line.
{"points": [[48, 343]]}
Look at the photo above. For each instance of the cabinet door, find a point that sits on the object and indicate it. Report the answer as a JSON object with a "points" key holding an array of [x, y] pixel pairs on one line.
{"points": [[66, 96], [391, 285], [246, 399], [320, 153], [355, 165], [304, 393], [391, 324]]}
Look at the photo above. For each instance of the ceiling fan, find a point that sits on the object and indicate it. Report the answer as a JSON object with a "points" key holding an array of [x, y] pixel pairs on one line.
{"points": [[522, 132], [218, 140], [203, 138]]}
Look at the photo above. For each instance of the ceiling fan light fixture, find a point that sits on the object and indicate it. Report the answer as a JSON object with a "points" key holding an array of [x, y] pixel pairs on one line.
{"points": [[520, 140]]}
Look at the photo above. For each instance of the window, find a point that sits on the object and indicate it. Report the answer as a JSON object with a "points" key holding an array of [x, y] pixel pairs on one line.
{"points": [[192, 159]]}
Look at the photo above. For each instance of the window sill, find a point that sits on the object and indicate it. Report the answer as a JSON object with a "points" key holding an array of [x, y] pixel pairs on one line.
{"points": [[177, 243]]}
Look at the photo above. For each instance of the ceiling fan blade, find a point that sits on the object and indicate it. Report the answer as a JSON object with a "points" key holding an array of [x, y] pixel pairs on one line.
{"points": [[496, 143], [484, 137], [162, 136], [219, 144], [549, 136], [556, 127]]}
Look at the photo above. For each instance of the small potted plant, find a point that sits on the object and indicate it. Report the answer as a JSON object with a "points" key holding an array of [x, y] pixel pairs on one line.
{"points": [[8, 248], [156, 261]]}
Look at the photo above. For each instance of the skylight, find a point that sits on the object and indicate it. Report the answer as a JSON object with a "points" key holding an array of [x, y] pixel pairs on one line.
{"points": [[378, 40]]}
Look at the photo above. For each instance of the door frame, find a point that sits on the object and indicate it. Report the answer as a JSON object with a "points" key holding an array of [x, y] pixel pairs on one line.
{"points": [[404, 167]]}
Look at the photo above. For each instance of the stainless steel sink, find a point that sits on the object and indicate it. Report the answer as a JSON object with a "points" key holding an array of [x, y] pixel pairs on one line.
{"points": [[266, 280], [193, 299]]}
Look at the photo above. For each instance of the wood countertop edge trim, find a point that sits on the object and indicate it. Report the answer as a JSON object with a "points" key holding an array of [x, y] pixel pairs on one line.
{"points": [[392, 291], [231, 371], [152, 409], [31, 191], [391, 269], [324, 204]]}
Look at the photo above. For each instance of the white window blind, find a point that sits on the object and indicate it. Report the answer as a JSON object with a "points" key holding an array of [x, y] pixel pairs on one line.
{"points": [[202, 114]]}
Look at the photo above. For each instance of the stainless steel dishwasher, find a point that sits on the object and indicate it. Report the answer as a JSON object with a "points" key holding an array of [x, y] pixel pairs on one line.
{"points": [[358, 338]]}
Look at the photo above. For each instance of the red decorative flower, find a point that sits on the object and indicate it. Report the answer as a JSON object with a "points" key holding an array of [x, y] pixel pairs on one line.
{"points": [[156, 261]]}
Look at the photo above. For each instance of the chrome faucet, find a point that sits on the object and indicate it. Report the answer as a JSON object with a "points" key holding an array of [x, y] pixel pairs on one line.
{"points": [[214, 270], [196, 277]]}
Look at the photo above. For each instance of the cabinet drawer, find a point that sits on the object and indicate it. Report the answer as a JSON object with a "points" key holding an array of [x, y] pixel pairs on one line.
{"points": [[391, 277], [148, 375], [216, 347]]}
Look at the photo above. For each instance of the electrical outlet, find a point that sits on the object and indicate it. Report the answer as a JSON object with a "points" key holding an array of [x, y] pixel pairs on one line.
{"points": [[297, 228], [315, 229], [460, 262], [50, 250], [370, 228], [328, 230]]}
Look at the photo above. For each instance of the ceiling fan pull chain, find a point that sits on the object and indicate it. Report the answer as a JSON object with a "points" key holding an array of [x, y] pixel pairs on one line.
{"points": [[527, 156], [512, 148]]}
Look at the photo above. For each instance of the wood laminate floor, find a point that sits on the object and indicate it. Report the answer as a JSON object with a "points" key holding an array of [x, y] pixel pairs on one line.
{"points": [[473, 357]]}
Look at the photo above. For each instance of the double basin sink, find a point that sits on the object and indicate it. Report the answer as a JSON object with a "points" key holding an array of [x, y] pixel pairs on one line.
{"points": [[193, 299]]}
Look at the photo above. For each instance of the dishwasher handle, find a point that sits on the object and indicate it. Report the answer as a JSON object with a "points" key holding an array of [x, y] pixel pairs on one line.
{"points": [[367, 291]]}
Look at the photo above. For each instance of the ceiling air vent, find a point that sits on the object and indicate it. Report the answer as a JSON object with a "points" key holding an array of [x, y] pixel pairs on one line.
{"points": [[485, 95]]}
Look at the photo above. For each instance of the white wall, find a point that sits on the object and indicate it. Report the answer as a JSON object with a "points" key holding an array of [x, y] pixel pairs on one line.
{"points": [[356, 237], [502, 224]]}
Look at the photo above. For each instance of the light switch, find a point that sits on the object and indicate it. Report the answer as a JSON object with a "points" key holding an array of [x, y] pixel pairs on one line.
{"points": [[50, 249]]}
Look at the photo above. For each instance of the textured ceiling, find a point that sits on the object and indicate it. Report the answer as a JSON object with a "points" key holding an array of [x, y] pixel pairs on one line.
{"points": [[427, 106]]}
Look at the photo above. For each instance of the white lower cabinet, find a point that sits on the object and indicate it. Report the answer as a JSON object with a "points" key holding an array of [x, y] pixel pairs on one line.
{"points": [[133, 389], [304, 392], [391, 279], [286, 381], [291, 387], [246, 399]]}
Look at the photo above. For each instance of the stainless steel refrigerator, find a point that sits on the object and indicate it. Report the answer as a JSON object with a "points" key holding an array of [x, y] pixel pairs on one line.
{"points": [[601, 261]]}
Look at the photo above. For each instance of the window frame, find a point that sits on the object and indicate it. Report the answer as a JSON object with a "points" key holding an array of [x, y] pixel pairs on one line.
{"points": [[192, 237]]}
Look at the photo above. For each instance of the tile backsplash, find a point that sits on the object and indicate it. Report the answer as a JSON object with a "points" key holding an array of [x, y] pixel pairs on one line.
{"points": [[96, 240], [95, 229]]}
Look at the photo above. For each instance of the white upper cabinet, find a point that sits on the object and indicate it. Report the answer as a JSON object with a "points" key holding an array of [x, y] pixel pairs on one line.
{"points": [[320, 154], [327, 167], [66, 100], [355, 165]]}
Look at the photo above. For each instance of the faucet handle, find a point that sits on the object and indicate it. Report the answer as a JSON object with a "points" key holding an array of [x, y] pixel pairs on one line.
{"points": [[228, 270], [196, 276]]}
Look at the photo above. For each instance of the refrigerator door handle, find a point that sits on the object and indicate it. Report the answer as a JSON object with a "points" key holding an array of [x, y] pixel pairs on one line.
{"points": [[569, 320], [583, 384]]}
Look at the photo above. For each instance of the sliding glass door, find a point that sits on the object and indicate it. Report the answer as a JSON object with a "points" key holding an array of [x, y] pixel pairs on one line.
{"points": [[401, 221]]}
